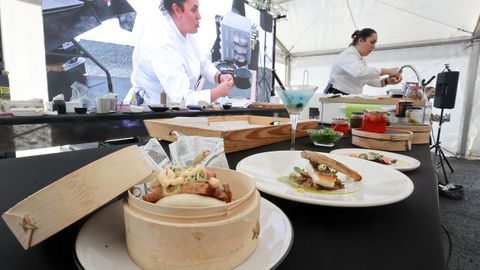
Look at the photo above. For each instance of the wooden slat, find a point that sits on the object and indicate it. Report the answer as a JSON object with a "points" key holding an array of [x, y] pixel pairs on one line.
{"points": [[75, 195]]}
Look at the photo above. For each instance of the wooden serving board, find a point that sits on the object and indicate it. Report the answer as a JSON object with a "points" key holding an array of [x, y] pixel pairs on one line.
{"points": [[391, 140], [263, 133]]}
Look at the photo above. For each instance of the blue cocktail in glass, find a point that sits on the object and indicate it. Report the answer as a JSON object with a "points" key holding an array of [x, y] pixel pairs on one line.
{"points": [[295, 98]]}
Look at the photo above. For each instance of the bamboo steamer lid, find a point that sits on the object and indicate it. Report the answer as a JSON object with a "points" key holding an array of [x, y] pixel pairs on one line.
{"points": [[75, 195]]}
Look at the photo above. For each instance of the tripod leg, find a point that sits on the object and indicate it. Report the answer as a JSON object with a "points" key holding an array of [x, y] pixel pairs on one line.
{"points": [[443, 168], [445, 158]]}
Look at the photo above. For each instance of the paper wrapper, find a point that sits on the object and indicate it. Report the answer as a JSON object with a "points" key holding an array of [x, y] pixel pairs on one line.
{"points": [[155, 155], [193, 150], [186, 151]]}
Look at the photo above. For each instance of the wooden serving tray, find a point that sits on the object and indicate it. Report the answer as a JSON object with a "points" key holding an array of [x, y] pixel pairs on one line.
{"points": [[391, 140], [262, 131]]}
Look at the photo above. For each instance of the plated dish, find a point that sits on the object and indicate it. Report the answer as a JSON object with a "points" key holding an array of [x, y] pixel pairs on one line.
{"points": [[101, 243], [380, 185], [401, 162]]}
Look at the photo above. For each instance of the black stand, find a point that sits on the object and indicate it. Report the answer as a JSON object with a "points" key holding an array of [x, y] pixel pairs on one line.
{"points": [[448, 190], [274, 74], [439, 150]]}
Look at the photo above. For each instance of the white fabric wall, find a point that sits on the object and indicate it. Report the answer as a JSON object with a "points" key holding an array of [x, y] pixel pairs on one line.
{"points": [[473, 141], [428, 61], [23, 48]]}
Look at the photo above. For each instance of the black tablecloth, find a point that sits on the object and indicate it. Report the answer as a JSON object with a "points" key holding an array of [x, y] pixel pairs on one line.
{"points": [[404, 235]]}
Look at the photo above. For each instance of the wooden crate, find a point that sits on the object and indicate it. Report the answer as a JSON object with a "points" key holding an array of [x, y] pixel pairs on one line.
{"points": [[421, 133], [234, 140], [391, 140]]}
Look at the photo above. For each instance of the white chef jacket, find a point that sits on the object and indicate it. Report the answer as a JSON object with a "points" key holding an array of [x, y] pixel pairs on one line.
{"points": [[164, 60], [350, 72]]}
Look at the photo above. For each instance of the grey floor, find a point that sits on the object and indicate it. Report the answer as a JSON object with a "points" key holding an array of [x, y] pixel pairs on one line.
{"points": [[459, 218]]}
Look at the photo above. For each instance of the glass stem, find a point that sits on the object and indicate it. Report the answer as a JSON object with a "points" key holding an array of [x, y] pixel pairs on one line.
{"points": [[293, 121]]}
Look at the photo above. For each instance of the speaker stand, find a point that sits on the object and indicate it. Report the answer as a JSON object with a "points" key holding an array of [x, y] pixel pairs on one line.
{"points": [[447, 189]]}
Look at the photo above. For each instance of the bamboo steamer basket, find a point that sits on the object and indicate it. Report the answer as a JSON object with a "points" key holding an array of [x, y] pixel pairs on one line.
{"points": [[221, 237], [421, 133], [391, 140], [216, 237]]}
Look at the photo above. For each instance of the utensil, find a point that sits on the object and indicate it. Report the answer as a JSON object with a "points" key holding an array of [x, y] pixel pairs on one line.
{"points": [[295, 98], [158, 108]]}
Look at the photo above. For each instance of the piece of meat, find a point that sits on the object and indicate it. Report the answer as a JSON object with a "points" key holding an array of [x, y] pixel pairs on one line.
{"points": [[331, 163], [222, 192]]}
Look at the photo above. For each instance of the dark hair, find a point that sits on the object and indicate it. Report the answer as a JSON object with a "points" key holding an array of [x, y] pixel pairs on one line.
{"points": [[166, 5], [363, 34]]}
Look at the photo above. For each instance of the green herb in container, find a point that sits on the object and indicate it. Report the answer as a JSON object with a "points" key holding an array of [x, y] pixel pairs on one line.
{"points": [[324, 137]]}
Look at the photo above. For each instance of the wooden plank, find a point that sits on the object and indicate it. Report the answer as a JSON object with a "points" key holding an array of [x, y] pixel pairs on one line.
{"points": [[75, 195], [376, 100], [265, 105]]}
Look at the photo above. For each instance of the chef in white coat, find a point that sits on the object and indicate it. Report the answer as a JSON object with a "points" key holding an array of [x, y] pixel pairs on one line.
{"points": [[350, 71], [167, 59]]}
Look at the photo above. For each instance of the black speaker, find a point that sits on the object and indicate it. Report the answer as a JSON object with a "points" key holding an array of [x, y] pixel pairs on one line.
{"points": [[266, 21], [446, 90]]}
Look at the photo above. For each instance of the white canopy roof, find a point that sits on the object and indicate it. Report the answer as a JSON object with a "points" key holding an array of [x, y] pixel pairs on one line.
{"points": [[314, 27]]}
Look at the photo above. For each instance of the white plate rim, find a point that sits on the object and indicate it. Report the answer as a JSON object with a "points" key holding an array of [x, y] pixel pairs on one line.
{"points": [[261, 187], [265, 205], [416, 163]]}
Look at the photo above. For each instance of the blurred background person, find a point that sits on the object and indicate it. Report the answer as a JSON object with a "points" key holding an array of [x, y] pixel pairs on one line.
{"points": [[350, 71]]}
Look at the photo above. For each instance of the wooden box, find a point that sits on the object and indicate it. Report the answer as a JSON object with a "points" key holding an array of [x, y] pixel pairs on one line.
{"points": [[156, 236], [261, 132], [421, 133], [391, 140]]}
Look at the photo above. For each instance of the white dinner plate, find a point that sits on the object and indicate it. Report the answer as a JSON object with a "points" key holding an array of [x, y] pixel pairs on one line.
{"points": [[101, 243], [404, 163], [380, 185]]}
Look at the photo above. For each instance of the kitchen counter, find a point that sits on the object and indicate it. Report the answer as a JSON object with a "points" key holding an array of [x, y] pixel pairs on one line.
{"points": [[18, 133]]}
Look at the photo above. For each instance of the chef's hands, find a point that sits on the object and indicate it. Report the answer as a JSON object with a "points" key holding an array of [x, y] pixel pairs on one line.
{"points": [[223, 89], [394, 75], [394, 79], [226, 77]]}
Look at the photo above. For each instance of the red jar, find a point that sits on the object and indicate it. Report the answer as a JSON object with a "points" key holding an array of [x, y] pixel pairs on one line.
{"points": [[374, 121], [340, 124]]}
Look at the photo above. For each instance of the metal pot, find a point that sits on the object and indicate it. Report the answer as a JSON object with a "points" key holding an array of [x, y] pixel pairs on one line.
{"points": [[241, 78]]}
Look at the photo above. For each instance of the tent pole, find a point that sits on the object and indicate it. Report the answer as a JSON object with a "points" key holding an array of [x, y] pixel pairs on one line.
{"points": [[469, 96], [288, 69]]}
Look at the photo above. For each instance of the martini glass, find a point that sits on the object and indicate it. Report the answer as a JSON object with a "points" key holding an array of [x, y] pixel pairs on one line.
{"points": [[295, 98]]}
